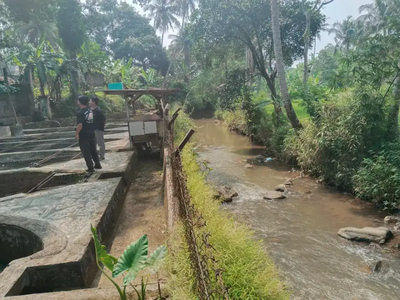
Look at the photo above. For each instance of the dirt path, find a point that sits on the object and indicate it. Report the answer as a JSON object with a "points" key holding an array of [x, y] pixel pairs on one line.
{"points": [[143, 213]]}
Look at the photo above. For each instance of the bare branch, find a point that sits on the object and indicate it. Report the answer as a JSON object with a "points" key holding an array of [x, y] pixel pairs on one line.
{"points": [[326, 2]]}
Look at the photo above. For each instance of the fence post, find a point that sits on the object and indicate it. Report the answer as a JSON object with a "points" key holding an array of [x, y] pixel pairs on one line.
{"points": [[185, 140]]}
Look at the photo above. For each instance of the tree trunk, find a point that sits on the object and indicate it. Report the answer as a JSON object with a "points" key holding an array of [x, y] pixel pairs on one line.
{"points": [[274, 97], [42, 94], [306, 45], [30, 74], [187, 63], [281, 67], [5, 73], [250, 67], [74, 89], [49, 113], [28, 78], [393, 121], [162, 38]]}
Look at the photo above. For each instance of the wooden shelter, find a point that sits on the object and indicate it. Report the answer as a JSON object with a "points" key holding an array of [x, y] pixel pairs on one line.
{"points": [[143, 130]]}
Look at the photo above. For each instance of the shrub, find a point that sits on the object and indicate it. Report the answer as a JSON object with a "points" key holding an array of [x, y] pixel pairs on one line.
{"points": [[348, 128], [249, 118], [65, 108], [235, 120], [378, 180]]}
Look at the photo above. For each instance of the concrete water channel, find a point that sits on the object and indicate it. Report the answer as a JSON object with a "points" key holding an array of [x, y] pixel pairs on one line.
{"points": [[47, 204]]}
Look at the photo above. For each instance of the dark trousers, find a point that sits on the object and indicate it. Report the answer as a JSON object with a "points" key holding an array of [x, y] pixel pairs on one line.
{"points": [[89, 152]]}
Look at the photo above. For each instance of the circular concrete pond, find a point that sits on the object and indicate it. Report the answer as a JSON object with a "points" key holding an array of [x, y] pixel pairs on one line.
{"points": [[17, 242]]}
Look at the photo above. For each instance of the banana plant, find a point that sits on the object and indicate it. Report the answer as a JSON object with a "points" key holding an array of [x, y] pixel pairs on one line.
{"points": [[43, 58], [134, 259]]}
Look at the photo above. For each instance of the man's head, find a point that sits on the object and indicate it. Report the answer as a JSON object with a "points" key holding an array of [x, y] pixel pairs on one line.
{"points": [[94, 102], [83, 101]]}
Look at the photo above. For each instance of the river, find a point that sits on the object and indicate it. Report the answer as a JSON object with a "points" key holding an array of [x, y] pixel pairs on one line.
{"points": [[300, 232]]}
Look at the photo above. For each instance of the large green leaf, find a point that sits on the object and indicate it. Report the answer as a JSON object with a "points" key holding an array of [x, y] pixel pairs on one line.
{"points": [[17, 61], [101, 254], [41, 69], [40, 48], [132, 260], [155, 259]]}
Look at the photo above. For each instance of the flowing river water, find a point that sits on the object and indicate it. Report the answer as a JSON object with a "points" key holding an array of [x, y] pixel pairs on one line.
{"points": [[300, 232]]}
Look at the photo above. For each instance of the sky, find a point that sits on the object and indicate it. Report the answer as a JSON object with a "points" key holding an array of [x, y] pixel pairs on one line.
{"points": [[338, 10]]}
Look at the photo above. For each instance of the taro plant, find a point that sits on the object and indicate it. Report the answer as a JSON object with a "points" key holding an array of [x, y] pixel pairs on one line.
{"points": [[134, 259]]}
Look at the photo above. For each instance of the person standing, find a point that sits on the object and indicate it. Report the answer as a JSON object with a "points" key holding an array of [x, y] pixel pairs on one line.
{"points": [[85, 134], [99, 124]]}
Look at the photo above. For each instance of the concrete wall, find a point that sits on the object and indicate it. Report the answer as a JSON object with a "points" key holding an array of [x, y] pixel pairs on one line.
{"points": [[170, 200], [23, 102], [65, 122], [95, 80]]}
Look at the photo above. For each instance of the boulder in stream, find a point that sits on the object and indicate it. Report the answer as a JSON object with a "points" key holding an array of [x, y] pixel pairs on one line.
{"points": [[288, 182], [281, 188], [274, 195], [367, 234], [260, 158], [381, 266], [225, 194], [391, 219], [248, 166]]}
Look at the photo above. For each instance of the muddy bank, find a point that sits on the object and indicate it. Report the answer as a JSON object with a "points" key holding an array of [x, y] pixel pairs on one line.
{"points": [[142, 213], [300, 232]]}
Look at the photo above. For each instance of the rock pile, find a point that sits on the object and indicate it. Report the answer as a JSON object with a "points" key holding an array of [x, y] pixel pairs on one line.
{"points": [[225, 194]]}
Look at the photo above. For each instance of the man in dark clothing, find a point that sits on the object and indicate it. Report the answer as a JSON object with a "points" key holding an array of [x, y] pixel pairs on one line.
{"points": [[85, 134], [99, 123]]}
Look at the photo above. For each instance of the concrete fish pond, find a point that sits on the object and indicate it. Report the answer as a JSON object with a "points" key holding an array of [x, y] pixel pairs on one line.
{"points": [[45, 240]]}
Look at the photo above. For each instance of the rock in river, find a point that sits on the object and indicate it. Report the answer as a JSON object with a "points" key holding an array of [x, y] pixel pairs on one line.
{"points": [[248, 166], [391, 219], [368, 234], [259, 158], [381, 266], [225, 194], [274, 195], [288, 182], [281, 188]]}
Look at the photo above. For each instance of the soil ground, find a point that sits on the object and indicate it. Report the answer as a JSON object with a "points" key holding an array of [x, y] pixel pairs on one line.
{"points": [[143, 213]]}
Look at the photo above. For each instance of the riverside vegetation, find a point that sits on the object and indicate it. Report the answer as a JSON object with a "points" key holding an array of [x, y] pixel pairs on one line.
{"points": [[248, 271], [335, 114]]}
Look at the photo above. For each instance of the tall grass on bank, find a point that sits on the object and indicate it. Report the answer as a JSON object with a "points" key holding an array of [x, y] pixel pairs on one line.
{"points": [[249, 272]]}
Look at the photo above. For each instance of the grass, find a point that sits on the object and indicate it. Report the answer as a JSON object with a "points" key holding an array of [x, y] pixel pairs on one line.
{"points": [[177, 264], [300, 110], [249, 272]]}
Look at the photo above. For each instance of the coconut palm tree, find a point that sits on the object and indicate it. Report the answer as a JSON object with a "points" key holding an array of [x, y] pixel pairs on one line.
{"points": [[276, 32], [182, 44], [164, 14], [376, 16], [32, 32], [186, 8], [310, 7], [346, 33]]}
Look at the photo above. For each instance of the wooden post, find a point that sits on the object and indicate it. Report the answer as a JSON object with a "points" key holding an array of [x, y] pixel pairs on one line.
{"points": [[128, 120], [165, 121], [174, 116], [185, 141]]}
